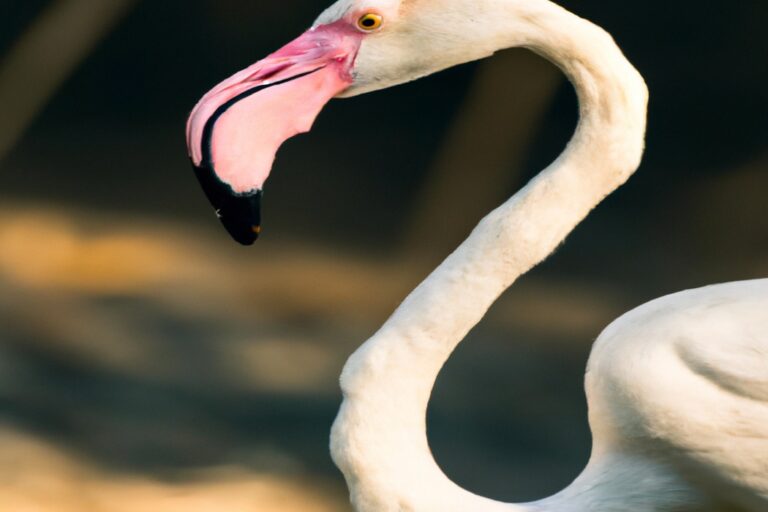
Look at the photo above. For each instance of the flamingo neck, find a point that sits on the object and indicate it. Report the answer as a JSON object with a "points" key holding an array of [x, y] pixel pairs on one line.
{"points": [[379, 438]]}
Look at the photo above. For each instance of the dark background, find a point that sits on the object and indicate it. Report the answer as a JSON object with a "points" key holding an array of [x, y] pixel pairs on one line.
{"points": [[140, 348]]}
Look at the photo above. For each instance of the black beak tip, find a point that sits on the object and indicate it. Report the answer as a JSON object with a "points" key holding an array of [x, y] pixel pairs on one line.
{"points": [[242, 233], [239, 213]]}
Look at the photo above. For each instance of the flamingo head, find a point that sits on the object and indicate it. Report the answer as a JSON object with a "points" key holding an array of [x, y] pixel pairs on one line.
{"points": [[355, 46]]}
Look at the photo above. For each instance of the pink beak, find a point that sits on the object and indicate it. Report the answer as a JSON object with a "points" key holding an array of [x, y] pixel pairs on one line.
{"points": [[234, 132]]}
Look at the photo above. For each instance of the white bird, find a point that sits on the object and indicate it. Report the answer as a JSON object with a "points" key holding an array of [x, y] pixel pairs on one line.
{"points": [[677, 389]]}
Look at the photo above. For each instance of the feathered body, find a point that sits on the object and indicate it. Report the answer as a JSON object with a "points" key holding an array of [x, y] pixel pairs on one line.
{"points": [[677, 389]]}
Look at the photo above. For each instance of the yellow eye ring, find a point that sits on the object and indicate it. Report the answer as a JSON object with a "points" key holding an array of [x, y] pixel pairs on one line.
{"points": [[370, 22]]}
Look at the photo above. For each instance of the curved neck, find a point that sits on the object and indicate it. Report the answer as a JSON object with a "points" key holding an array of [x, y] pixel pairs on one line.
{"points": [[379, 438]]}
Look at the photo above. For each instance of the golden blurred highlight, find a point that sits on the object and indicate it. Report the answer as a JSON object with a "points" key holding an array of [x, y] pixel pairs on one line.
{"points": [[43, 249], [127, 256], [38, 477]]}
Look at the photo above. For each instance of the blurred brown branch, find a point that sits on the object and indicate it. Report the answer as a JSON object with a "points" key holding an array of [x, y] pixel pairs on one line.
{"points": [[481, 158], [46, 55]]}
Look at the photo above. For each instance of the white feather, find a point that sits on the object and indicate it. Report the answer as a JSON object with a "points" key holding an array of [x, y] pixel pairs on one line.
{"points": [[678, 389]]}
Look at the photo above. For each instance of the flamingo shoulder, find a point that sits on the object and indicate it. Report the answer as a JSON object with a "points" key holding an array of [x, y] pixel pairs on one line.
{"points": [[684, 378]]}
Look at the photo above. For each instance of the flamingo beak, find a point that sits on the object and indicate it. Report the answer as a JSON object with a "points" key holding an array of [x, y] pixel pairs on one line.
{"points": [[234, 132]]}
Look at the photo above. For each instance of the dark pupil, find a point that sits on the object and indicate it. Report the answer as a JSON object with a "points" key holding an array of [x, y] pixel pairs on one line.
{"points": [[369, 22]]}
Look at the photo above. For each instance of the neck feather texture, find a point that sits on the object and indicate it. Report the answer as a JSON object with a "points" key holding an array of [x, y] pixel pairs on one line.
{"points": [[379, 438]]}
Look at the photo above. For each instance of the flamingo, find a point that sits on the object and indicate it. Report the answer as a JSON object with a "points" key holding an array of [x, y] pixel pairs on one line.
{"points": [[677, 388]]}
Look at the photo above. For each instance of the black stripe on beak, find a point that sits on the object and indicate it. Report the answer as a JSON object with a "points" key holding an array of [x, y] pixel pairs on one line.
{"points": [[240, 213]]}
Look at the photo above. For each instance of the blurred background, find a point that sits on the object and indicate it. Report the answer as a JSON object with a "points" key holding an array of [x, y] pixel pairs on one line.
{"points": [[149, 363]]}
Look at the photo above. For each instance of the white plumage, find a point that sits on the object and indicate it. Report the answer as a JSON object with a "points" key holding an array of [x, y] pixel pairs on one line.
{"points": [[677, 389]]}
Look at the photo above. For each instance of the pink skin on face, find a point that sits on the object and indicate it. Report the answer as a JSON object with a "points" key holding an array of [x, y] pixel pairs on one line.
{"points": [[245, 131]]}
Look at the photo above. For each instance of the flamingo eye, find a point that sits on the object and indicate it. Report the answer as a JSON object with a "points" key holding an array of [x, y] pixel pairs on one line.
{"points": [[369, 22]]}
